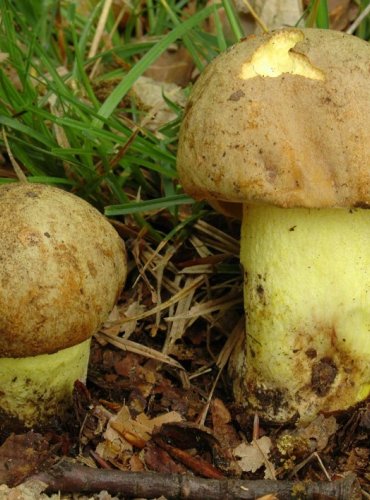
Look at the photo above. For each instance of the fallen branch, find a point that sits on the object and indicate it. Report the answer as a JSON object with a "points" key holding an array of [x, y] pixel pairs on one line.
{"points": [[71, 478]]}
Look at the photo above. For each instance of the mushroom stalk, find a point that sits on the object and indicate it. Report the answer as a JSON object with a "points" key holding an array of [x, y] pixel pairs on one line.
{"points": [[276, 122], [36, 388], [307, 301]]}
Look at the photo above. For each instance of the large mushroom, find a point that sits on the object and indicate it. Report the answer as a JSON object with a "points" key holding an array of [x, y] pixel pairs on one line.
{"points": [[277, 128], [62, 266]]}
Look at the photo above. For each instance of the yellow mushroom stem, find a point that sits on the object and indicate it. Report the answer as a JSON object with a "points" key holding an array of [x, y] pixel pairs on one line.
{"points": [[34, 389], [307, 302]]}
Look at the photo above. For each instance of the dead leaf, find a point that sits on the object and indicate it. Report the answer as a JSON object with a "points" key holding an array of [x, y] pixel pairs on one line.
{"points": [[128, 428], [196, 464], [126, 310], [255, 455], [21, 455], [150, 94], [173, 66], [136, 464], [186, 435], [341, 13], [158, 460], [274, 13], [319, 430], [358, 460], [124, 433], [221, 422], [30, 490]]}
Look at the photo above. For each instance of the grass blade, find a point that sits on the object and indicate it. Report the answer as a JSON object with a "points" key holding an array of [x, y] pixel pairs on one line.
{"points": [[148, 205], [122, 88]]}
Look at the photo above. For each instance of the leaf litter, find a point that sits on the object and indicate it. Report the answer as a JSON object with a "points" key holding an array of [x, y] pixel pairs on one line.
{"points": [[159, 400]]}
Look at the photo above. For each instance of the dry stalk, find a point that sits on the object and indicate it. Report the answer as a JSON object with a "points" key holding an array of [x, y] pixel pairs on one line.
{"points": [[129, 345], [100, 28]]}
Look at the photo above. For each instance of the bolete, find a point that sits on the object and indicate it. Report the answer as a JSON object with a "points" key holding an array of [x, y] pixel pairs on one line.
{"points": [[278, 128], [62, 266]]}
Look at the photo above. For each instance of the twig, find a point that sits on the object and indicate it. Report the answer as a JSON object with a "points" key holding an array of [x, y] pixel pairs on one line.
{"points": [[17, 169], [322, 465], [358, 20], [221, 362], [164, 305], [66, 477], [308, 459], [254, 14], [142, 350], [100, 28]]}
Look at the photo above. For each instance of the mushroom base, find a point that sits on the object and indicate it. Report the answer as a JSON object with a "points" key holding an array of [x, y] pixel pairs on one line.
{"points": [[307, 302], [35, 389]]}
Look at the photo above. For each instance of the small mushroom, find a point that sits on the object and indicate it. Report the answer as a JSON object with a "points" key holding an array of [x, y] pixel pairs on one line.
{"points": [[62, 266], [277, 129]]}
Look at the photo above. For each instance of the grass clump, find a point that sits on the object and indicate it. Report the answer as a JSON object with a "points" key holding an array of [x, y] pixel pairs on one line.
{"points": [[67, 111]]}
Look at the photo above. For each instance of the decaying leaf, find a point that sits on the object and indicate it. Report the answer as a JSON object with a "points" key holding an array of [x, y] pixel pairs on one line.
{"points": [[30, 490], [255, 455], [341, 13], [157, 459], [319, 431], [150, 96], [124, 433], [358, 460], [21, 455], [274, 13], [175, 65], [222, 428], [301, 442]]}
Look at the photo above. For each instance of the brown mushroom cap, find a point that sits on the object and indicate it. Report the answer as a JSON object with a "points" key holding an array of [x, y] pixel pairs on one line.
{"points": [[62, 266], [287, 140]]}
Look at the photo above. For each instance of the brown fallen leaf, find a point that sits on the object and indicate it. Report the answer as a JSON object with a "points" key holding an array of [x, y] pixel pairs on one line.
{"points": [[187, 435], [319, 431], [358, 460], [221, 422], [300, 443], [341, 13], [149, 94], [22, 455], [174, 65], [195, 464], [30, 490], [158, 460], [273, 13], [125, 432], [253, 456]]}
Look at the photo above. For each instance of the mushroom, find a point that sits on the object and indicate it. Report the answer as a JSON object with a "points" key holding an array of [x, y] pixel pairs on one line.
{"points": [[277, 129], [62, 266]]}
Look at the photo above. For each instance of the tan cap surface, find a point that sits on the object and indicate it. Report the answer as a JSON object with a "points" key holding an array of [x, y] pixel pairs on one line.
{"points": [[257, 131], [62, 266]]}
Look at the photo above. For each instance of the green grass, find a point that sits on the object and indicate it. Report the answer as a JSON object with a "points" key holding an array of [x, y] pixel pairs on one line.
{"points": [[317, 14], [57, 128], [363, 31]]}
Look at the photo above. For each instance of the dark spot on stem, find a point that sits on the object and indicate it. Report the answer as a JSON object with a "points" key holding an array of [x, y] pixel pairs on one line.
{"points": [[311, 353], [361, 204], [323, 376]]}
